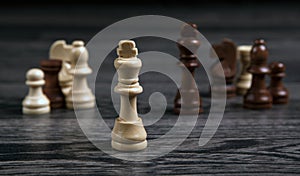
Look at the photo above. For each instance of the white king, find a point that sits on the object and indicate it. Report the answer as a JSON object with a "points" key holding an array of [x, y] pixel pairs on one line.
{"points": [[128, 133]]}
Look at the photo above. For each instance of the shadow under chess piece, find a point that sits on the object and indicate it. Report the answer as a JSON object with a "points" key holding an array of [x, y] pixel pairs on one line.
{"points": [[278, 91], [128, 133], [243, 82], [258, 96], [226, 51], [35, 102], [80, 96], [51, 88], [188, 100]]}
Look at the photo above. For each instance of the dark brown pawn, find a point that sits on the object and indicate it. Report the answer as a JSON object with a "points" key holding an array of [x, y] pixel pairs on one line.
{"points": [[189, 102], [226, 51], [52, 89], [258, 96], [279, 93]]}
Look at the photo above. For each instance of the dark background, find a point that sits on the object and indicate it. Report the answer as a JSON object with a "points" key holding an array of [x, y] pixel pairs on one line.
{"points": [[31, 27], [246, 143]]}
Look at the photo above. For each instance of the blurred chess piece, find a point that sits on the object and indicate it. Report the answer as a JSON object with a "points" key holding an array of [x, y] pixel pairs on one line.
{"points": [[244, 80], [226, 51], [35, 102], [52, 89], [258, 96], [59, 50], [80, 95], [190, 101], [128, 133], [279, 92]]}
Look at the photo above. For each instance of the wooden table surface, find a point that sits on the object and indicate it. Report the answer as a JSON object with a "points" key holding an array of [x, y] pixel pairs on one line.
{"points": [[247, 142]]}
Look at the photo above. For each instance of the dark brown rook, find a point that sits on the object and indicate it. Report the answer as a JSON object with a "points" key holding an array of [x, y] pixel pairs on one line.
{"points": [[188, 100], [279, 93], [258, 96], [52, 89], [226, 51]]}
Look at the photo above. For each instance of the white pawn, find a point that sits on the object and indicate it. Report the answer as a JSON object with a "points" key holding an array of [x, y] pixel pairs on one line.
{"points": [[35, 102], [80, 96], [244, 81], [128, 133]]}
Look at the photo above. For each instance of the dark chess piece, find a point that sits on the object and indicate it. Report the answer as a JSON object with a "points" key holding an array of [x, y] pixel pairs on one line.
{"points": [[279, 93], [189, 102], [226, 51], [52, 89], [258, 96]]}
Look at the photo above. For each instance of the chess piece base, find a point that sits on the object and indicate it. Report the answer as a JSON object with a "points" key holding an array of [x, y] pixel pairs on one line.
{"points": [[56, 98], [129, 147], [190, 107], [264, 102], [129, 136], [57, 105], [80, 100], [81, 105], [258, 99], [280, 96], [41, 110]]}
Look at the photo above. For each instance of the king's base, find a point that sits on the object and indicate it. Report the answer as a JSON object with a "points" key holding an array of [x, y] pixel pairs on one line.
{"points": [[81, 105], [129, 136], [36, 111], [129, 147]]}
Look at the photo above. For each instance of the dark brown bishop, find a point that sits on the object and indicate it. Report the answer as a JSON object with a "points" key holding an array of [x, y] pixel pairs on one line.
{"points": [[188, 100]]}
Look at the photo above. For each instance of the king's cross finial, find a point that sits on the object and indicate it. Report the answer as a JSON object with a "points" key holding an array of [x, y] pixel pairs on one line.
{"points": [[127, 49]]}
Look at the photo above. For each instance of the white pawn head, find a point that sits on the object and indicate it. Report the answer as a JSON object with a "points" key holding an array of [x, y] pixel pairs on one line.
{"points": [[35, 77]]}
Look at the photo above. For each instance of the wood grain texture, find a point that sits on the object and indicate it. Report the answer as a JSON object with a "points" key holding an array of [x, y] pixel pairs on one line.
{"points": [[247, 142]]}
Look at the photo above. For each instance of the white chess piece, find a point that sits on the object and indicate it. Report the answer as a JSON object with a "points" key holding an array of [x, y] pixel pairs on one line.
{"points": [[35, 102], [244, 81], [128, 133], [61, 51], [80, 96]]}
